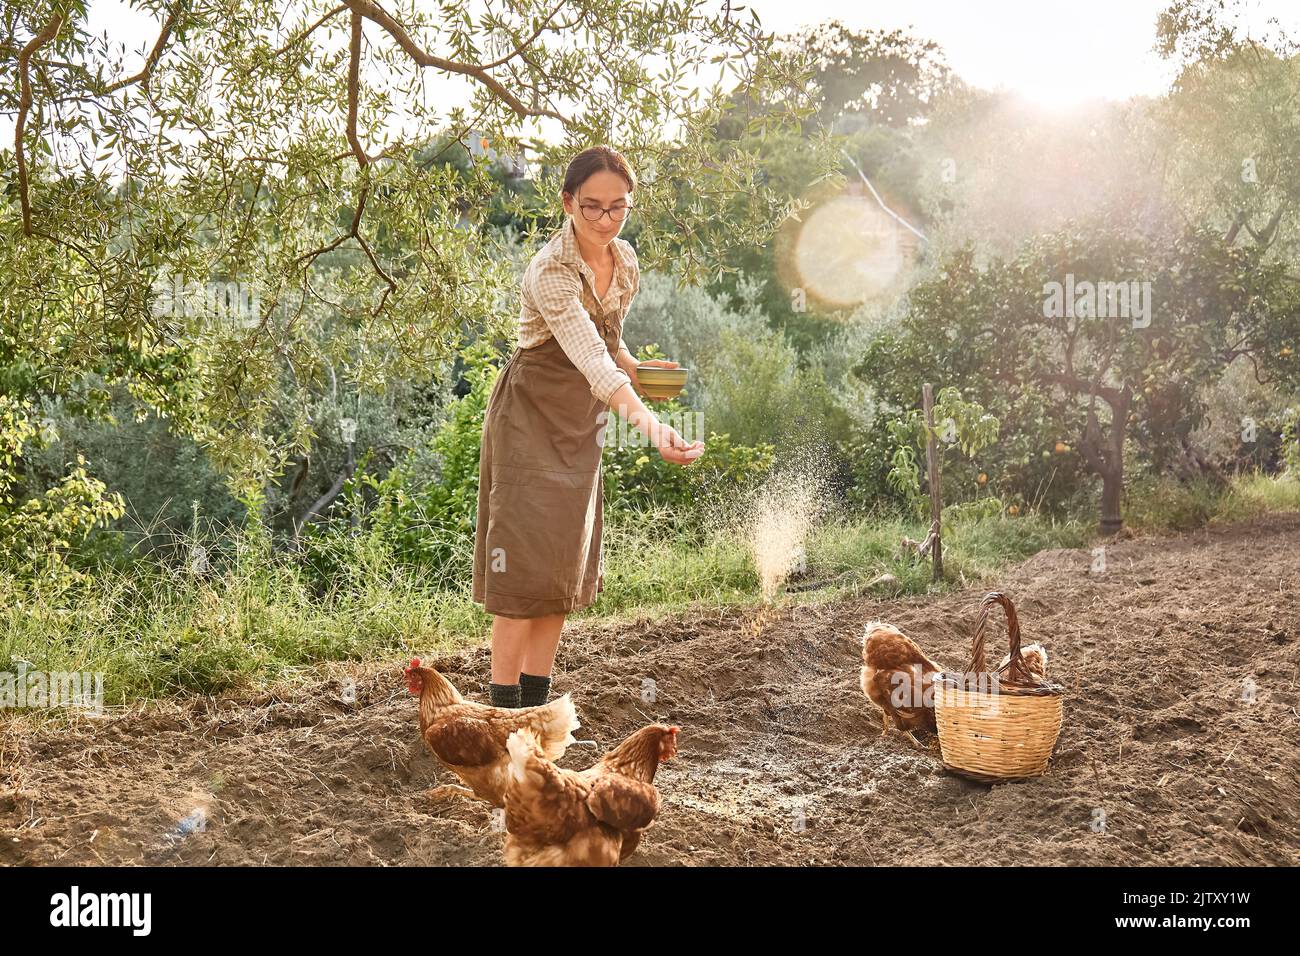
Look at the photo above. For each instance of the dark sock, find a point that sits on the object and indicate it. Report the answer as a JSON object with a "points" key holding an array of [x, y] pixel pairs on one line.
{"points": [[533, 690], [504, 695]]}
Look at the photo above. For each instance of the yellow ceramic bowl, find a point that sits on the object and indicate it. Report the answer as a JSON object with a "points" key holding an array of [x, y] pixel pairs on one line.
{"points": [[659, 382]]}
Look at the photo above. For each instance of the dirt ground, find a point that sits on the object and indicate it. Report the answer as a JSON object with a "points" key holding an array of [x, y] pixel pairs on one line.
{"points": [[1155, 653]]}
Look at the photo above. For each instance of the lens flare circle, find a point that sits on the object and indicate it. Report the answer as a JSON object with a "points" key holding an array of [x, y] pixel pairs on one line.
{"points": [[850, 251]]}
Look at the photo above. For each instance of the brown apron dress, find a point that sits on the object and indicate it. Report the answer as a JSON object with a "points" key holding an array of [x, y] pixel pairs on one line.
{"points": [[537, 544]]}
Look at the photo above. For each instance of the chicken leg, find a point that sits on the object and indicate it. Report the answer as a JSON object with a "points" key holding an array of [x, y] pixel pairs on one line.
{"points": [[884, 730]]}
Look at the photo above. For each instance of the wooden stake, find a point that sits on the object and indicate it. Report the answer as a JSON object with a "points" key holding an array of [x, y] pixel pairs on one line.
{"points": [[932, 474]]}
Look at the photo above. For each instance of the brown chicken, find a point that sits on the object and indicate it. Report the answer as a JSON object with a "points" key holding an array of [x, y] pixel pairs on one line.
{"points": [[1035, 658], [593, 817], [470, 739], [898, 678]]}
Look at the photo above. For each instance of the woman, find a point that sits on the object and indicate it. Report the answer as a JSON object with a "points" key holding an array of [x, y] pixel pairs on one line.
{"points": [[537, 549]]}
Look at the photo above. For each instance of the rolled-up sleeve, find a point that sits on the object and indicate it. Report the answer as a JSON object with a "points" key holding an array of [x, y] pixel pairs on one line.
{"points": [[555, 292]]}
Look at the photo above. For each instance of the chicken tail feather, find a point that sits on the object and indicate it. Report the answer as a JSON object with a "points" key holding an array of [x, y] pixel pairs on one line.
{"points": [[522, 744], [1035, 656], [559, 719]]}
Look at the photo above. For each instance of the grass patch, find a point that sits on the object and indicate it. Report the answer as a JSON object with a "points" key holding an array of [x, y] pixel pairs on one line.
{"points": [[1170, 506], [155, 631], [255, 619], [1255, 495]]}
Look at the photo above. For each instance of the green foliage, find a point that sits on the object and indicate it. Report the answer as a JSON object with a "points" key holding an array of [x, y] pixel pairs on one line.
{"points": [[965, 423], [658, 557], [1291, 440], [1255, 495], [164, 478], [1166, 504], [1242, 429], [156, 631], [427, 524], [453, 500], [636, 475], [37, 532], [889, 78], [367, 240], [751, 386], [956, 422], [1230, 123], [905, 471], [683, 322], [983, 329], [978, 509]]}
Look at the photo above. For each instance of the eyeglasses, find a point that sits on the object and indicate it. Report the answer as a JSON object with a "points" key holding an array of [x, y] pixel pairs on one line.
{"points": [[594, 213]]}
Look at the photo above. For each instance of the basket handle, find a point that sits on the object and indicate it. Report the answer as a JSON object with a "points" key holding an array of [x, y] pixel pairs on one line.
{"points": [[1017, 673]]}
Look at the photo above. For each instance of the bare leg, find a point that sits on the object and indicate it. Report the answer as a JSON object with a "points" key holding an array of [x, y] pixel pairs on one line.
{"points": [[510, 637], [543, 639], [884, 721]]}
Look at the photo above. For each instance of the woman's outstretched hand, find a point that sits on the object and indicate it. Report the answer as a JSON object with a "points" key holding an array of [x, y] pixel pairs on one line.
{"points": [[674, 448]]}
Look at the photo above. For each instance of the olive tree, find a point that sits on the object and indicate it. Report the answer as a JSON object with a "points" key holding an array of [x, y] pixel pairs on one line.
{"points": [[295, 157]]}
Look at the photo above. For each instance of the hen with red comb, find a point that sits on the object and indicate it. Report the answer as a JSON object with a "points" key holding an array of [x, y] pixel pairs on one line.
{"points": [[469, 738]]}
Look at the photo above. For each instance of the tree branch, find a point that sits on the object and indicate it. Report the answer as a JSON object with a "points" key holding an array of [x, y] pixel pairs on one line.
{"points": [[373, 11], [1091, 444], [1231, 236], [354, 92], [310, 30], [1111, 395], [47, 34], [1266, 235], [323, 502], [154, 55], [519, 47]]}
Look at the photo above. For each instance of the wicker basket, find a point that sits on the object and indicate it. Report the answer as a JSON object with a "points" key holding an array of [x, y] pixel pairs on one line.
{"points": [[997, 730]]}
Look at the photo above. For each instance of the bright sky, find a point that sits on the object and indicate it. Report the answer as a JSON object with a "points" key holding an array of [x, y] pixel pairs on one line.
{"points": [[1050, 50], [1045, 49]]}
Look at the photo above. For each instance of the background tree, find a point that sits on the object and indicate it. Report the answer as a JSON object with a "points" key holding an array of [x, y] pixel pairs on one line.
{"points": [[1233, 122], [1097, 377], [887, 78], [869, 91]]}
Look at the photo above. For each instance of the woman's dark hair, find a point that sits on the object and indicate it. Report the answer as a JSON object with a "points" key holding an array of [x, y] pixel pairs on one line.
{"points": [[593, 160]]}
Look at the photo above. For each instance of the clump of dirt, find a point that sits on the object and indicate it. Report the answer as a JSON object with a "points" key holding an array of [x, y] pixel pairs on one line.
{"points": [[1181, 742]]}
